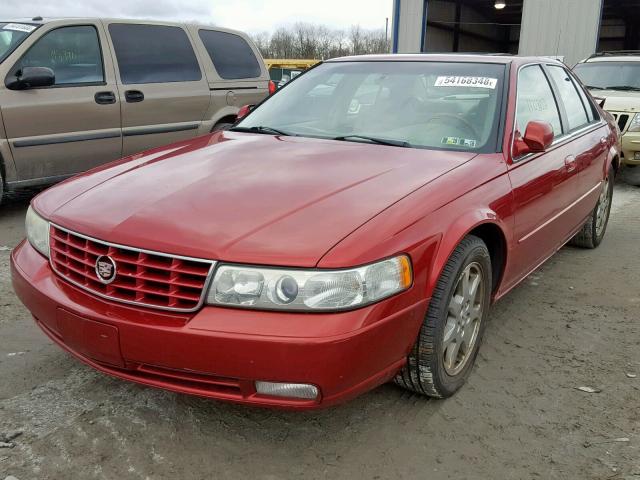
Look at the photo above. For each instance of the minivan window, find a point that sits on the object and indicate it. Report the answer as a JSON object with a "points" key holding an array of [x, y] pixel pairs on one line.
{"points": [[73, 53], [576, 112], [536, 100], [231, 55], [12, 35], [153, 54], [434, 105]]}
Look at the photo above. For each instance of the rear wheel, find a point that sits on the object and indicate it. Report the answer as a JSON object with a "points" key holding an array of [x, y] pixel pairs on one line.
{"points": [[452, 330], [592, 232], [1, 188]]}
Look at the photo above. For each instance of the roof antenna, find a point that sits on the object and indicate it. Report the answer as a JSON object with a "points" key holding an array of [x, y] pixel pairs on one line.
{"points": [[37, 19]]}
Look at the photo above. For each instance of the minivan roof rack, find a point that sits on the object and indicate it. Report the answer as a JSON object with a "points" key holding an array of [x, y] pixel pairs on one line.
{"points": [[616, 53]]}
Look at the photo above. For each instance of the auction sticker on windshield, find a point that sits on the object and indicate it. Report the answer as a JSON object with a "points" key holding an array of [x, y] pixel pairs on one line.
{"points": [[475, 82], [19, 27]]}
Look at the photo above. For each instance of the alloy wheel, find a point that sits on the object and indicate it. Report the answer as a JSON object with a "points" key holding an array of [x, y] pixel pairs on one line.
{"points": [[463, 319]]}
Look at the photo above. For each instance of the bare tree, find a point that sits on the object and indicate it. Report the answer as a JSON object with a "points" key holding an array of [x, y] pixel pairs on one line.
{"points": [[306, 40]]}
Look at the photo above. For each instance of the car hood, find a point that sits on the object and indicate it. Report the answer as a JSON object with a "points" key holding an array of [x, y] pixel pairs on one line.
{"points": [[618, 101], [244, 197]]}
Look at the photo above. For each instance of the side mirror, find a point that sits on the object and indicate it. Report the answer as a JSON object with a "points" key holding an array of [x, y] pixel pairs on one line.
{"points": [[537, 138], [600, 101], [244, 111], [32, 77]]}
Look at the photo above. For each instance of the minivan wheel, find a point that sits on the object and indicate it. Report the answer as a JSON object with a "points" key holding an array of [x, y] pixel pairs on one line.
{"points": [[592, 232], [450, 336]]}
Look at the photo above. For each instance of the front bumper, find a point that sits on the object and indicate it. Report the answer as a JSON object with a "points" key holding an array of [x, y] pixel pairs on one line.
{"points": [[220, 352], [630, 145]]}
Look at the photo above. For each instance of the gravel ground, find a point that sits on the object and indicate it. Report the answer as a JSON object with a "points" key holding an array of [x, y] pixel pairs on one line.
{"points": [[573, 323]]}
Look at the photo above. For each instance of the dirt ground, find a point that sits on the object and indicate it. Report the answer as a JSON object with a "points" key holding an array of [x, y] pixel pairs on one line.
{"points": [[573, 323]]}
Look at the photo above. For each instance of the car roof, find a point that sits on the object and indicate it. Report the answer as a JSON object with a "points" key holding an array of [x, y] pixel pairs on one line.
{"points": [[65, 20], [614, 56], [498, 58]]}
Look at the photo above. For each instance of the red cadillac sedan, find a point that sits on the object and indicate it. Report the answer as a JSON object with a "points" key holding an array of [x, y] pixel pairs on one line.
{"points": [[352, 229]]}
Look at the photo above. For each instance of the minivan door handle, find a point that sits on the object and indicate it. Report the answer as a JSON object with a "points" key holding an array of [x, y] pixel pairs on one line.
{"points": [[133, 96], [570, 163], [105, 98]]}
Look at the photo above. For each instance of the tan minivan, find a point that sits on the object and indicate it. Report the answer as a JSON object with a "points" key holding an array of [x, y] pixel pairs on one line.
{"points": [[76, 93]]}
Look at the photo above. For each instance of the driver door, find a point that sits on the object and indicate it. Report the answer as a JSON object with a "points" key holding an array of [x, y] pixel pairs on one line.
{"points": [[545, 185], [73, 125]]}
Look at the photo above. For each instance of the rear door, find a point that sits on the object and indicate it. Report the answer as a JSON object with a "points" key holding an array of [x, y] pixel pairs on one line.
{"points": [[590, 145], [162, 90], [545, 185], [73, 125], [236, 71]]}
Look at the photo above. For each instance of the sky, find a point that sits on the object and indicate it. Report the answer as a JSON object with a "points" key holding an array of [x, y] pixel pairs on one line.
{"points": [[249, 15]]}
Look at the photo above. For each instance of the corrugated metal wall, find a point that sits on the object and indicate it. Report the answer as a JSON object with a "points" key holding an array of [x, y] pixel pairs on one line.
{"points": [[409, 18], [567, 28]]}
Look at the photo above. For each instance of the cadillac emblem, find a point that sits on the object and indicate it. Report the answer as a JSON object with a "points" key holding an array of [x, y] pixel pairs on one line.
{"points": [[105, 269]]}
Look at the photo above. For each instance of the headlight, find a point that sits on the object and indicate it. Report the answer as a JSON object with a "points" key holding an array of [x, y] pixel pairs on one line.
{"points": [[37, 231], [634, 126], [309, 290]]}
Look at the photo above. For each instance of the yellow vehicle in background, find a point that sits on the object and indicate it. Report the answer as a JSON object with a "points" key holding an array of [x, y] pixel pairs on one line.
{"points": [[282, 70]]}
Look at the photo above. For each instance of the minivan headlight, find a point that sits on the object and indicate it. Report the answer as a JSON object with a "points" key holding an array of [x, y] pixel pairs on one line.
{"points": [[634, 126], [269, 288], [37, 229]]}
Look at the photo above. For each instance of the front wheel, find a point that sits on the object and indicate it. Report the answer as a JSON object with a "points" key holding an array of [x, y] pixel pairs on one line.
{"points": [[592, 232], [452, 330]]}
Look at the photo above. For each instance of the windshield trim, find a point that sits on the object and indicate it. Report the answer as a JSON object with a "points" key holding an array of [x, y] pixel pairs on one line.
{"points": [[8, 53], [491, 146]]}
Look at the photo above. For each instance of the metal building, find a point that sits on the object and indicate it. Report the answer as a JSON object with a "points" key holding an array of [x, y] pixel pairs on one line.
{"points": [[569, 29]]}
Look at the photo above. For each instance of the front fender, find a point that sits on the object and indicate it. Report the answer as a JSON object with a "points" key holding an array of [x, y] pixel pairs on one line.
{"points": [[464, 225]]}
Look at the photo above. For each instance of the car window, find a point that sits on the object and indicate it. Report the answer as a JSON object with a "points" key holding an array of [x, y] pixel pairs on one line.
{"points": [[12, 35], [536, 100], [440, 105], [153, 54], [231, 54], [73, 53], [576, 112], [592, 112]]}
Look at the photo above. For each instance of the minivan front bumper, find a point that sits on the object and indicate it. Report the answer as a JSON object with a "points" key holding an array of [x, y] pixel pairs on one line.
{"points": [[631, 145], [221, 352]]}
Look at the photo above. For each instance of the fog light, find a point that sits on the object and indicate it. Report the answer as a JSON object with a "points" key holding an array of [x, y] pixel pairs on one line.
{"points": [[291, 390]]}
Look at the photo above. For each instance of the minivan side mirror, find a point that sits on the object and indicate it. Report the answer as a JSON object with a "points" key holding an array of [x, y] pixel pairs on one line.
{"points": [[600, 101], [537, 138], [32, 77], [244, 111]]}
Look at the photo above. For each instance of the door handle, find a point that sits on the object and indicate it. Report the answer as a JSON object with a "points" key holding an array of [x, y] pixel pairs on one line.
{"points": [[570, 163], [105, 98], [603, 140], [133, 96]]}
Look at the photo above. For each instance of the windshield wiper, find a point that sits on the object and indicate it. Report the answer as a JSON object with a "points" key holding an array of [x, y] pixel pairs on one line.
{"points": [[380, 141], [593, 87], [261, 129], [627, 88]]}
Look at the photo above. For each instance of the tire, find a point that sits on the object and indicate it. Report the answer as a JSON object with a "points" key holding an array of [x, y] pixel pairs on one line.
{"points": [[592, 232], [429, 369], [221, 126], [1, 188]]}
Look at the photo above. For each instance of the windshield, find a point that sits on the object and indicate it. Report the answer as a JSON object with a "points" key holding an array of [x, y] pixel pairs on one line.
{"points": [[411, 104], [12, 35], [609, 75]]}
